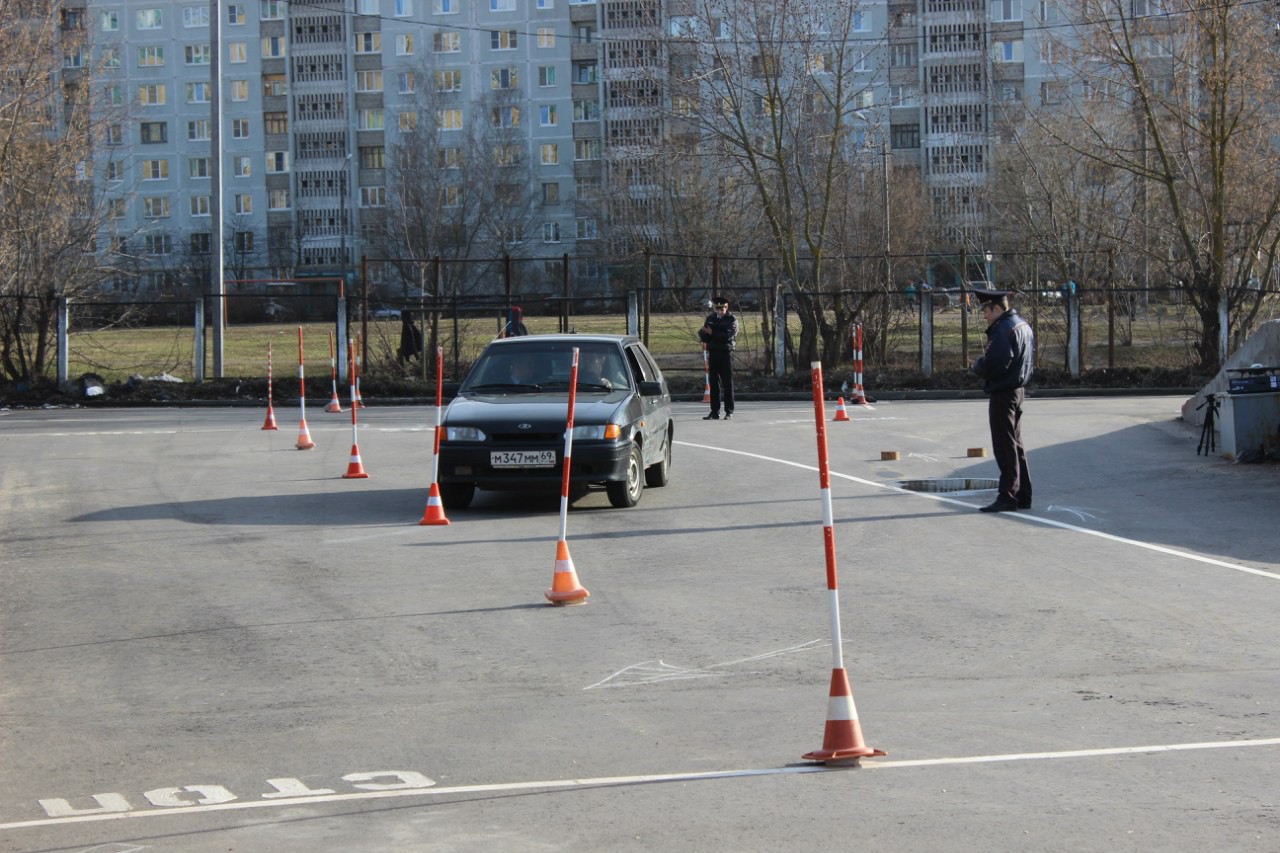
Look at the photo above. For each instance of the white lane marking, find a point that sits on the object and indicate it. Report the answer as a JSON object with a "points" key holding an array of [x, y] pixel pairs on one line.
{"points": [[1021, 516], [652, 672], [607, 781]]}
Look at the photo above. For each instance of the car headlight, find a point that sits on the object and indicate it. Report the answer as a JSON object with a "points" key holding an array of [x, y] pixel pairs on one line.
{"points": [[463, 433], [597, 432]]}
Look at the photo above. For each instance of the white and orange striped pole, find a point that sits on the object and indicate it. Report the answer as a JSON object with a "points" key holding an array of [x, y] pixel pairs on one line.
{"points": [[335, 405], [357, 400], [304, 434], [270, 422], [858, 395], [706, 375], [842, 738], [434, 513], [355, 467], [565, 589]]}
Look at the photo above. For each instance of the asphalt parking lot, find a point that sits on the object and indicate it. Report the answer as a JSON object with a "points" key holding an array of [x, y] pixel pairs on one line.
{"points": [[211, 641]]}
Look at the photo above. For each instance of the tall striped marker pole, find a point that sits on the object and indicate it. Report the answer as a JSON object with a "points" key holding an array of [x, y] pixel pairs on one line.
{"points": [[434, 513], [706, 375], [842, 742], [859, 396], [270, 422], [355, 467], [565, 589], [304, 434], [335, 405]]}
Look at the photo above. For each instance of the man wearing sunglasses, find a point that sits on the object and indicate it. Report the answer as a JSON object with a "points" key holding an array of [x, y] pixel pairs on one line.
{"points": [[1005, 369]]}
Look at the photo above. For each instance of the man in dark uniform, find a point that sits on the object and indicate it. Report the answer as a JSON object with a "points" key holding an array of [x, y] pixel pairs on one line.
{"points": [[1005, 369], [720, 334]]}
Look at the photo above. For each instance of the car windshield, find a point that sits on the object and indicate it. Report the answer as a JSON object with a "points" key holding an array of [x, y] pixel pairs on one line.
{"points": [[543, 366]]}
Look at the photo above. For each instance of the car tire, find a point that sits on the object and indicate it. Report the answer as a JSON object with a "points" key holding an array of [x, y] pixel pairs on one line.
{"points": [[626, 493], [457, 495], [657, 474]]}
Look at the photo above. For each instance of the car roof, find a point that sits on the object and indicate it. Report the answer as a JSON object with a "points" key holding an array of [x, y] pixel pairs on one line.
{"points": [[571, 339]]}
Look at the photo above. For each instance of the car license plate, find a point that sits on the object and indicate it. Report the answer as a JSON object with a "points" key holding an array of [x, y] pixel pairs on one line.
{"points": [[522, 458]]}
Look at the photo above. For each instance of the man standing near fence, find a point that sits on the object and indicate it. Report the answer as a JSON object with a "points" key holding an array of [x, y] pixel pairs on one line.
{"points": [[1005, 369], [720, 334]]}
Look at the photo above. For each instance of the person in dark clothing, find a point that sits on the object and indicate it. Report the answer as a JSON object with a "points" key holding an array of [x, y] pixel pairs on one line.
{"points": [[1005, 369], [720, 334], [515, 323], [410, 338]]}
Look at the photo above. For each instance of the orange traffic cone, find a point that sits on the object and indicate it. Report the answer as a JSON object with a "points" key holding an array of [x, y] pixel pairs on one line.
{"points": [[841, 414], [355, 470], [304, 437], [335, 405], [434, 513], [842, 739], [706, 391], [565, 589], [270, 422]]}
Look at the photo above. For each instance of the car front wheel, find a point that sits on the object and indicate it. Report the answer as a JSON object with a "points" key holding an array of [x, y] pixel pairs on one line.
{"points": [[626, 493], [457, 495]]}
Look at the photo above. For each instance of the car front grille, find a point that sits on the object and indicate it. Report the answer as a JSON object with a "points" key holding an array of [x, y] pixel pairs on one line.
{"points": [[527, 437]]}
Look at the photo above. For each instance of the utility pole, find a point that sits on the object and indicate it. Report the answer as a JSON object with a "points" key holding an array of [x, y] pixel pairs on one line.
{"points": [[884, 185], [217, 260]]}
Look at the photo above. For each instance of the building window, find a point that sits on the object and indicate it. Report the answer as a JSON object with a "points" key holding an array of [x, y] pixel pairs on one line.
{"points": [[404, 44], [111, 20], [370, 119], [449, 158], [158, 244], [547, 115], [403, 8], [243, 203], [199, 205], [150, 19], [277, 199], [408, 121], [155, 170], [115, 134], [196, 54], [273, 47], [586, 229], [586, 149], [237, 52], [195, 16], [551, 193], [274, 85], [197, 167], [586, 110], [116, 208], [277, 162], [546, 37], [445, 7], [546, 4], [271, 10], [155, 132], [505, 117], [503, 39], [449, 119], [551, 232], [1006, 10], [155, 207], [150, 57], [201, 244], [275, 123], [446, 41], [546, 76], [368, 42], [240, 128], [368, 81], [241, 167], [110, 57], [502, 5], [373, 196], [1007, 51], [506, 155], [904, 55], [450, 196], [239, 90], [198, 130], [373, 157], [549, 153], [584, 72], [408, 82], [448, 81], [235, 14], [367, 7], [905, 136], [152, 95], [198, 93], [504, 78], [115, 171], [244, 241]]}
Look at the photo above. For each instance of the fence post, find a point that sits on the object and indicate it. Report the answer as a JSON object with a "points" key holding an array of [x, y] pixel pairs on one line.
{"points": [[1073, 333], [633, 312], [926, 331], [341, 332], [780, 333], [197, 352], [63, 323]]}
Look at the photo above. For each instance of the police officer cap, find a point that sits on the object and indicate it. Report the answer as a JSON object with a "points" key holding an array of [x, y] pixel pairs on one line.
{"points": [[719, 300], [991, 295]]}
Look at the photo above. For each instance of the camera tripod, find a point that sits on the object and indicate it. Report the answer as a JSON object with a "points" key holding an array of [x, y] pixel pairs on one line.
{"points": [[1208, 439]]}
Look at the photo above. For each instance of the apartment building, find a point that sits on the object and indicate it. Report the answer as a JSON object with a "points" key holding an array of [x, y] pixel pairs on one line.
{"points": [[317, 95]]}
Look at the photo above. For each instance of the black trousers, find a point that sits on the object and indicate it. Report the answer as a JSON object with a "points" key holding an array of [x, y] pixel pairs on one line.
{"points": [[720, 368], [1004, 412]]}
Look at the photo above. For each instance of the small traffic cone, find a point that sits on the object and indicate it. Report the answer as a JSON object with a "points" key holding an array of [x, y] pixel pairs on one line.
{"points": [[860, 396], [355, 470], [270, 422], [841, 414], [335, 405], [565, 589], [706, 391], [434, 513], [842, 739], [304, 437]]}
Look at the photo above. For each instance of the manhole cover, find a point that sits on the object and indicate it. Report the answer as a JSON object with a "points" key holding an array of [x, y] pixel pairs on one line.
{"points": [[950, 485]]}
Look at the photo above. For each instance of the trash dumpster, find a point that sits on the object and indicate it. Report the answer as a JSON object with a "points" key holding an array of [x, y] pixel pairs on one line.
{"points": [[1249, 423]]}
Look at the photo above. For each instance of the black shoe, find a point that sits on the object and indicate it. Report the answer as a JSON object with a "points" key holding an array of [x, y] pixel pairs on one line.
{"points": [[728, 415], [999, 506], [712, 417]]}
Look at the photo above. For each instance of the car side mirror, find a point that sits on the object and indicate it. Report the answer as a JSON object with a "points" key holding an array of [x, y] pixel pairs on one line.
{"points": [[449, 390], [650, 389]]}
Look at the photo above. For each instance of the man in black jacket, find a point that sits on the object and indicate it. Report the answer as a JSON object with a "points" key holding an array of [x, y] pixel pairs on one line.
{"points": [[1005, 369], [720, 334]]}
